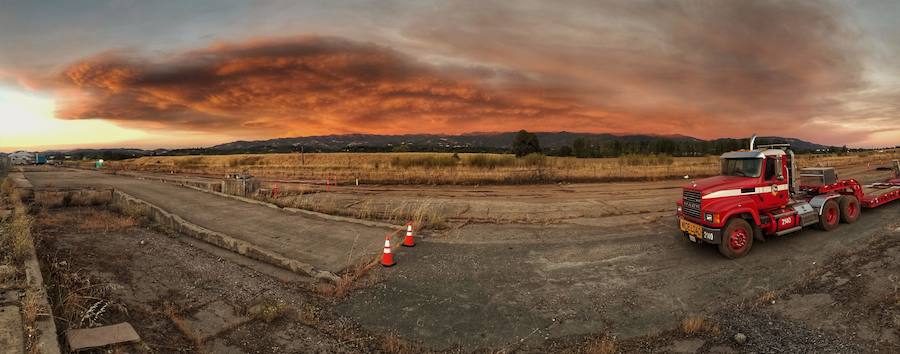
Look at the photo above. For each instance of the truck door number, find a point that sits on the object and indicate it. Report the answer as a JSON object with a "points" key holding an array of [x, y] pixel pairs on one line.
{"points": [[786, 220]]}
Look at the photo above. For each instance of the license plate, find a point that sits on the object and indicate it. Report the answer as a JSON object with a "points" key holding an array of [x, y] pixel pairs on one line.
{"points": [[692, 229]]}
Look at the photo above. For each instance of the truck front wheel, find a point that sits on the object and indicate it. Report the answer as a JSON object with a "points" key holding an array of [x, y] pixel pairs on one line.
{"points": [[737, 238], [849, 209], [831, 216]]}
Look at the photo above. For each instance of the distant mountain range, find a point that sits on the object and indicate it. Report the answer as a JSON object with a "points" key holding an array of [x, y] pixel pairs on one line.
{"points": [[471, 142], [481, 141], [463, 141]]}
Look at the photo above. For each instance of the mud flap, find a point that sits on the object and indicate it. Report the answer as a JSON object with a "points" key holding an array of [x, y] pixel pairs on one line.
{"points": [[757, 234]]}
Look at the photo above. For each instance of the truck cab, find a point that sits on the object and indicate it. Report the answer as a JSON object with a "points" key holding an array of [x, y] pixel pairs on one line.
{"points": [[749, 182]]}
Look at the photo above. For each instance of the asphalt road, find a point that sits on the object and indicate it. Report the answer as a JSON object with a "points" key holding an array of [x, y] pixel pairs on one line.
{"points": [[325, 244], [489, 285]]}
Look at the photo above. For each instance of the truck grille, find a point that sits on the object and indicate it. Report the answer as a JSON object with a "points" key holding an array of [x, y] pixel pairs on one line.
{"points": [[692, 203]]}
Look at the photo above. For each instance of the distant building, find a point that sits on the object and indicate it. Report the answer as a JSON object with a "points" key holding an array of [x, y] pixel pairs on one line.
{"points": [[21, 158]]}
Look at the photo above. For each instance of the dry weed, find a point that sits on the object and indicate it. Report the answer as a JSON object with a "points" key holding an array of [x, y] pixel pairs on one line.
{"points": [[16, 238], [88, 220], [348, 281], [31, 308], [171, 312], [396, 345], [767, 296], [7, 186], [699, 325], [601, 346]]}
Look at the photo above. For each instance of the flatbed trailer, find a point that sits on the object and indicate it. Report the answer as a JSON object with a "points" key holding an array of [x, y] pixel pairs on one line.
{"points": [[878, 194]]}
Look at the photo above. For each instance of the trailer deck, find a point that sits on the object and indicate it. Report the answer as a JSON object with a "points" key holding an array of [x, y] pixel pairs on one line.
{"points": [[878, 194]]}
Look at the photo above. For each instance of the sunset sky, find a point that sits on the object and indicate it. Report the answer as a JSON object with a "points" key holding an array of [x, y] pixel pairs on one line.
{"points": [[129, 73]]}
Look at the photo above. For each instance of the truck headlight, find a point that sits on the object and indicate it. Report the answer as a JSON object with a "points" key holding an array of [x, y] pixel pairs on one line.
{"points": [[708, 217], [678, 209]]}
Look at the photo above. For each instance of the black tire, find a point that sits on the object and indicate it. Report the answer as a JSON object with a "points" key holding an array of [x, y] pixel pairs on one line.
{"points": [[737, 239], [830, 216], [850, 210]]}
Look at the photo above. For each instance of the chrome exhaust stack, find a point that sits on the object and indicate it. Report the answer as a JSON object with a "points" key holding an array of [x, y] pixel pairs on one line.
{"points": [[752, 142]]}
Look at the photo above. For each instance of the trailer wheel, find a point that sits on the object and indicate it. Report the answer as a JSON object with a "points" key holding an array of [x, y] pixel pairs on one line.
{"points": [[849, 209], [830, 217], [737, 238]]}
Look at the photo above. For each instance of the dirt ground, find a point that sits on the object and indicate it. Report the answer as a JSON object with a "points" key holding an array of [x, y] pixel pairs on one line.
{"points": [[184, 296], [545, 268]]}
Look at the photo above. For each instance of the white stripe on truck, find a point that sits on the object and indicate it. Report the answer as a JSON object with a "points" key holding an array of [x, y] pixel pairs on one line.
{"points": [[737, 192]]}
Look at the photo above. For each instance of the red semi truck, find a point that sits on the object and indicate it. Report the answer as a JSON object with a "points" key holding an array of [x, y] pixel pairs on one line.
{"points": [[760, 192]]}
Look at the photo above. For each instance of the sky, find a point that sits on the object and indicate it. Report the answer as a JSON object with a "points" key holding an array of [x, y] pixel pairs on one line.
{"points": [[148, 74]]}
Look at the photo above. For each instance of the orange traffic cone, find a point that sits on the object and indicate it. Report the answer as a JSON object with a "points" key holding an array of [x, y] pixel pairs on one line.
{"points": [[387, 258], [408, 240]]}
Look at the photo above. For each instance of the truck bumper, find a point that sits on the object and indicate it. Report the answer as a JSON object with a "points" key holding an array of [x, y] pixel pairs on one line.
{"points": [[708, 234]]}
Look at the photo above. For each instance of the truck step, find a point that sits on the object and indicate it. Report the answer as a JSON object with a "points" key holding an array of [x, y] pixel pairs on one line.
{"points": [[782, 232]]}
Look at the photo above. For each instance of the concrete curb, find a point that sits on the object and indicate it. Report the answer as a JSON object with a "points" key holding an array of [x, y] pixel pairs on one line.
{"points": [[178, 224], [22, 184], [47, 342]]}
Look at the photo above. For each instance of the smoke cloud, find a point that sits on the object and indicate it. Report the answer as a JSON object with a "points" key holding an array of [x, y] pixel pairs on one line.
{"points": [[700, 68]]}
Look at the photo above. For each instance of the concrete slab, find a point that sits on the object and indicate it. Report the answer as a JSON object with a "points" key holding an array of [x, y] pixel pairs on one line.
{"points": [[12, 339], [326, 244], [86, 338], [214, 318]]}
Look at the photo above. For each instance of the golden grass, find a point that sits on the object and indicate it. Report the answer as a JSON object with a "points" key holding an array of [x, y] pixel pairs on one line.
{"points": [[16, 243], [424, 213], [449, 168]]}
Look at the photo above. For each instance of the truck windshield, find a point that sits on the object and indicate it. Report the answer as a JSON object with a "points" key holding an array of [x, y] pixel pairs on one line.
{"points": [[741, 167]]}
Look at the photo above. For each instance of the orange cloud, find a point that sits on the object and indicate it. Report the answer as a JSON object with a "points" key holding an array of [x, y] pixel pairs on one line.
{"points": [[302, 86]]}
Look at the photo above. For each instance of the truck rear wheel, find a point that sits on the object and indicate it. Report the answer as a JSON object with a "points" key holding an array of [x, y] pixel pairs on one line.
{"points": [[830, 216], [737, 238], [849, 209]]}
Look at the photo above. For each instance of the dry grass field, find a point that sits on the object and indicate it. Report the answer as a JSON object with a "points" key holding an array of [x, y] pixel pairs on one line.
{"points": [[449, 168]]}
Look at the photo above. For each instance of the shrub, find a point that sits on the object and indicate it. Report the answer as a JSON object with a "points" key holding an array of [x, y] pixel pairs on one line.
{"points": [[268, 311], [428, 161], [244, 161], [535, 159], [489, 161], [645, 160]]}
